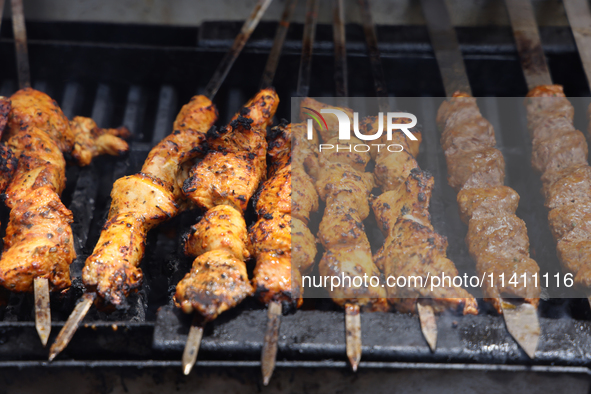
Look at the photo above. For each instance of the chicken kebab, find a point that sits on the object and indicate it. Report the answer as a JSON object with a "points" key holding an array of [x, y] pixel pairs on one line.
{"points": [[341, 181], [412, 248], [8, 161], [282, 228], [497, 239], [223, 184], [139, 203], [559, 154], [39, 245]]}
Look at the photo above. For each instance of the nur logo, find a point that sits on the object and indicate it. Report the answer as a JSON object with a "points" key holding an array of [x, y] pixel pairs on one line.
{"points": [[345, 124]]}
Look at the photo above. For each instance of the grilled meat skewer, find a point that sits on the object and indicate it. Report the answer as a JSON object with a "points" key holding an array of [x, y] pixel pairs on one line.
{"points": [[223, 183], [412, 247], [341, 181], [39, 241], [560, 154], [278, 231], [139, 203], [497, 239]]}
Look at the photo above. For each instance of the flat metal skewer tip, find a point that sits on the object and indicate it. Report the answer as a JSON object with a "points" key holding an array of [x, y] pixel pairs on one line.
{"points": [[192, 347], [523, 324], [269, 353], [42, 309], [428, 324], [353, 334], [72, 324]]}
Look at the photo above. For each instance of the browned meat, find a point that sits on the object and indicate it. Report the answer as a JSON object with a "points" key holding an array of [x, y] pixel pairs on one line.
{"points": [[39, 241], [475, 169], [413, 249], [342, 183], [276, 276], [142, 201], [223, 183], [497, 238], [5, 107], [560, 153], [487, 202]]}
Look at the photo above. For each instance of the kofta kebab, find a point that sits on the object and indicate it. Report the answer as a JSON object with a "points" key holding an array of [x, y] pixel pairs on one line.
{"points": [[497, 239], [39, 246]]}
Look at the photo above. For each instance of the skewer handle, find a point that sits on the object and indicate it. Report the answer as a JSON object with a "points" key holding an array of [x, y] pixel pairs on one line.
{"points": [[42, 309], [20, 44], [226, 64], [72, 324], [273, 60], [353, 332], [269, 353]]}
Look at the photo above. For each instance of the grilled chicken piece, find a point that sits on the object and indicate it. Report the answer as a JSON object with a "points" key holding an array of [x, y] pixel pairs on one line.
{"points": [[94, 141], [560, 152], [144, 200], [413, 249], [5, 107], [223, 183], [8, 160], [342, 183], [218, 280], [39, 241], [276, 276], [497, 239]]}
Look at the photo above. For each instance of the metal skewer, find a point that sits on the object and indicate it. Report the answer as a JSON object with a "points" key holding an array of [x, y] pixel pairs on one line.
{"points": [[374, 55], [20, 43], [196, 331], [579, 17], [269, 352], [226, 64], [307, 48], [273, 60], [352, 312], [41, 285], [521, 319], [529, 45]]}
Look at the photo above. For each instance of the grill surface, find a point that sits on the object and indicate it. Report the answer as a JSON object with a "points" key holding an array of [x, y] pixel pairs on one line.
{"points": [[140, 76]]}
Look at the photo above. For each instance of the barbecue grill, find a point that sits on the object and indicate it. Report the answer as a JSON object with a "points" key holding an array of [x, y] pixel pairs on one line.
{"points": [[140, 76]]}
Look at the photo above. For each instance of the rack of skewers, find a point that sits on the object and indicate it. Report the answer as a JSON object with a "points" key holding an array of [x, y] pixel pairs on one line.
{"points": [[160, 310]]}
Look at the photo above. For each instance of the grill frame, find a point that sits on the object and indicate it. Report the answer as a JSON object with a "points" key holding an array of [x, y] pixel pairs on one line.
{"points": [[141, 71]]}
